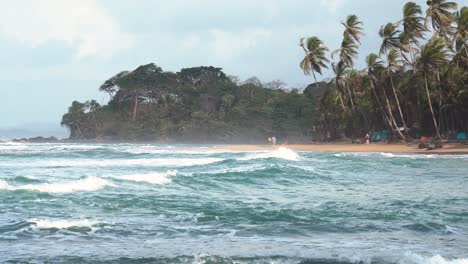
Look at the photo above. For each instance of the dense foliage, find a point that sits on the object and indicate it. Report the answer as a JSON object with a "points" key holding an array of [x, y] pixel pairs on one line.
{"points": [[417, 84], [194, 105]]}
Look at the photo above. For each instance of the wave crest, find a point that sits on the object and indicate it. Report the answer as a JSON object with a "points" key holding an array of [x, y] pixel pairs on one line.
{"points": [[280, 153], [62, 224], [88, 184], [154, 178]]}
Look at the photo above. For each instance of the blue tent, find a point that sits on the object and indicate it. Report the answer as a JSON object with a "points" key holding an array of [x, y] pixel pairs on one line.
{"points": [[462, 136], [376, 137], [385, 134]]}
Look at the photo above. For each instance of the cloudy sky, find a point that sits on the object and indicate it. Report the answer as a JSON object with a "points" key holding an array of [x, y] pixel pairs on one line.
{"points": [[56, 51]]}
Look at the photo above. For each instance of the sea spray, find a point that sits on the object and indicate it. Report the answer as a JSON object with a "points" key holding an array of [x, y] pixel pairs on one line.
{"points": [[280, 153], [154, 178], [87, 184], [62, 224]]}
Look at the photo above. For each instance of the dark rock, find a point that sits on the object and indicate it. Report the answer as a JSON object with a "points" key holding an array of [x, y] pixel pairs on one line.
{"points": [[438, 145], [423, 145], [37, 140]]}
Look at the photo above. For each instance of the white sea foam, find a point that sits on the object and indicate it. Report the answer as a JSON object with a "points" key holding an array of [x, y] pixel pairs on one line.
{"points": [[12, 147], [157, 162], [62, 224], [83, 185], [154, 178], [400, 155], [280, 153], [411, 258], [3, 185]]}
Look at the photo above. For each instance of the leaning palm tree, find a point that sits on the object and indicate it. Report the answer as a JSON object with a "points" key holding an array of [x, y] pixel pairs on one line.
{"points": [[340, 72], [441, 15], [390, 42], [374, 66], [353, 28], [390, 37], [413, 27], [315, 58], [460, 38], [433, 55]]}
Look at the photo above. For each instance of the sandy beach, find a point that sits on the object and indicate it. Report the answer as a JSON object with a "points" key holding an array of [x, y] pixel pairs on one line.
{"points": [[451, 148]]}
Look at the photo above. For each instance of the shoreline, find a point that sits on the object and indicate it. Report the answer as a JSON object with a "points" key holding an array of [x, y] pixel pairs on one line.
{"points": [[409, 148], [450, 148]]}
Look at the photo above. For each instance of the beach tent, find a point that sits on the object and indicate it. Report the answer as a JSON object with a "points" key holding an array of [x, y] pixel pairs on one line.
{"points": [[376, 137], [385, 134], [462, 136]]}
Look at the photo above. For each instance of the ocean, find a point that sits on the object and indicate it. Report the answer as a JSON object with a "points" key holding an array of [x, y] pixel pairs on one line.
{"points": [[144, 203]]}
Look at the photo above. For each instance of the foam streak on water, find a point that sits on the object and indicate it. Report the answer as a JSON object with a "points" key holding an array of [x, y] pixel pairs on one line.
{"points": [[144, 203]]}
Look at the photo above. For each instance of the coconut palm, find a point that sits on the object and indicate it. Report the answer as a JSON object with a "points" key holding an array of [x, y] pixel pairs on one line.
{"points": [[461, 35], [340, 71], [315, 58], [441, 15], [374, 66], [390, 37], [390, 42], [393, 65], [413, 27], [353, 28], [433, 55]]}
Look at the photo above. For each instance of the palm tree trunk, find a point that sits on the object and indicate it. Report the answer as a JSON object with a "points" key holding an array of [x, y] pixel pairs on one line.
{"points": [[395, 93], [135, 108], [315, 79], [340, 95], [432, 110], [392, 118], [441, 127], [380, 104], [397, 101], [350, 97]]}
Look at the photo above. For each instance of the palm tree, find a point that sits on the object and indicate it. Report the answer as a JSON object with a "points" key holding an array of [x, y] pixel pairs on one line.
{"points": [[374, 65], [353, 28], [441, 15], [433, 55], [340, 71], [413, 27], [390, 41], [461, 34], [315, 58]]}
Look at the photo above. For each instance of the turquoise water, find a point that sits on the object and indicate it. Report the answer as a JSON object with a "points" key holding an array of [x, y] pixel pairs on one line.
{"points": [[127, 203]]}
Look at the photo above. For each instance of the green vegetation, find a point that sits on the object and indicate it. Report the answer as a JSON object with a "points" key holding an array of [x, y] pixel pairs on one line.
{"points": [[194, 105], [417, 85]]}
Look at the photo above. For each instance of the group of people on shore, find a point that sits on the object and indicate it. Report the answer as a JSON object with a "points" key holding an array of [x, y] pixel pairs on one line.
{"points": [[272, 140]]}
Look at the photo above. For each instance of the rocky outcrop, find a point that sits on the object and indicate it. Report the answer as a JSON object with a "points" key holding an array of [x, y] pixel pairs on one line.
{"points": [[37, 140]]}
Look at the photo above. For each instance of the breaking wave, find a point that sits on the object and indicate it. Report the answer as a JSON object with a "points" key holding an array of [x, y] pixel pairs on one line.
{"points": [[62, 224], [83, 185], [280, 153], [154, 178]]}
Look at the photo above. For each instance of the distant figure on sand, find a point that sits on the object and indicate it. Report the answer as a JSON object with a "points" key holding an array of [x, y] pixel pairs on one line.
{"points": [[367, 138], [273, 140], [270, 140]]}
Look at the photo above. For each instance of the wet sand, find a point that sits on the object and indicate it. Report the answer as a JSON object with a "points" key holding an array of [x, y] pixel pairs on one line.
{"points": [[343, 147]]}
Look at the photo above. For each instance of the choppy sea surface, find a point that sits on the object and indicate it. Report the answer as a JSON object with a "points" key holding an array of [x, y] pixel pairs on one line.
{"points": [[142, 203]]}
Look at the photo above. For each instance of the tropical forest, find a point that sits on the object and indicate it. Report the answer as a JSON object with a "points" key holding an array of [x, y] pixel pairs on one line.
{"points": [[415, 85]]}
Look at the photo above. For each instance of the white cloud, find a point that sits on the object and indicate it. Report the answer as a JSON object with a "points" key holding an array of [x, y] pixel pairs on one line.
{"points": [[82, 24], [227, 45], [332, 5]]}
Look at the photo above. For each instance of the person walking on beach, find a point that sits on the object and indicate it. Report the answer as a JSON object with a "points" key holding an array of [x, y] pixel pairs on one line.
{"points": [[273, 140], [269, 140], [367, 138]]}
